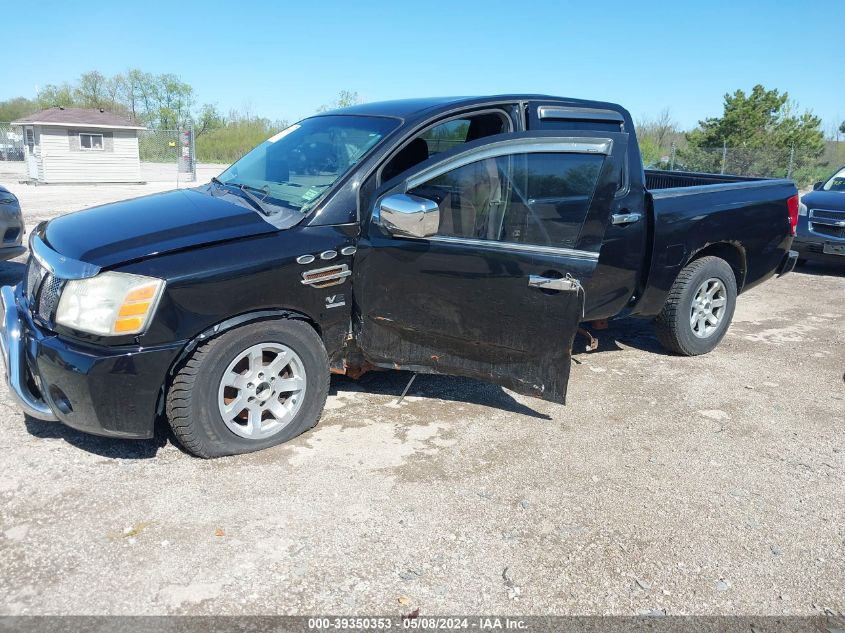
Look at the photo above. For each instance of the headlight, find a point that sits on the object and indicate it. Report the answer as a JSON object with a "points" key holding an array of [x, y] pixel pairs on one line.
{"points": [[802, 209], [110, 303]]}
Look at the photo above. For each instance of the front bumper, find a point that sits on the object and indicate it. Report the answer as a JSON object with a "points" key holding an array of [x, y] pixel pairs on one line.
{"points": [[104, 391], [14, 360], [813, 249]]}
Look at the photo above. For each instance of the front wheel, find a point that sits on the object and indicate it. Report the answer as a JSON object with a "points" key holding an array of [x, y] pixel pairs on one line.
{"points": [[250, 388], [699, 308]]}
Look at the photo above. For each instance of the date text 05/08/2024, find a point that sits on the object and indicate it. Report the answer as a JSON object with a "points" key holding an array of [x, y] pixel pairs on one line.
{"points": [[418, 623]]}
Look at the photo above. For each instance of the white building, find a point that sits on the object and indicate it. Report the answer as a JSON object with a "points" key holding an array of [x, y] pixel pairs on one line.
{"points": [[80, 145]]}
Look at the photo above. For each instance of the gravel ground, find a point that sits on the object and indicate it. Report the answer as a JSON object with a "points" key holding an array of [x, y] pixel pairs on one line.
{"points": [[709, 485]]}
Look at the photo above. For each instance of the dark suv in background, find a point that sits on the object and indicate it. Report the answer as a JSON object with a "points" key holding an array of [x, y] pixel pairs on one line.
{"points": [[821, 222]]}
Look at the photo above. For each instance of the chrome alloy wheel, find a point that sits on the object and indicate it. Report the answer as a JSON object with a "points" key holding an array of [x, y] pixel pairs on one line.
{"points": [[262, 390], [708, 307]]}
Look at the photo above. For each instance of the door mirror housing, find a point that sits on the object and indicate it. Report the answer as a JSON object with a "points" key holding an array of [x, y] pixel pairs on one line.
{"points": [[818, 185], [406, 215]]}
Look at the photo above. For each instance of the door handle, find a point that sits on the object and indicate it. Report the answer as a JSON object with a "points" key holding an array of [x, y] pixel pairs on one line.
{"points": [[625, 218], [567, 283]]}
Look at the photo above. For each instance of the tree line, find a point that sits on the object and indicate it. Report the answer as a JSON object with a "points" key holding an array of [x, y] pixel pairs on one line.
{"points": [[161, 102], [158, 101], [762, 132]]}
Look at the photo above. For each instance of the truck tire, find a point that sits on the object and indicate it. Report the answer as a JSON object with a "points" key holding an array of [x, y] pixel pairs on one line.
{"points": [[699, 307], [250, 388]]}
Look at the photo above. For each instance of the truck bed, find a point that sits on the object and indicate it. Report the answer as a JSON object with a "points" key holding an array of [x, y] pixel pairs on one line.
{"points": [[658, 179], [746, 218]]}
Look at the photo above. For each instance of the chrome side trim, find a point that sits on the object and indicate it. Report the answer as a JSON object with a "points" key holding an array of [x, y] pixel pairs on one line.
{"points": [[572, 144], [59, 265], [14, 359], [328, 276], [328, 255], [512, 246], [304, 259], [348, 250]]}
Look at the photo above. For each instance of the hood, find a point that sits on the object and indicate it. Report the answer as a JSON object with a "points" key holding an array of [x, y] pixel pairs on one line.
{"points": [[123, 231], [832, 200]]}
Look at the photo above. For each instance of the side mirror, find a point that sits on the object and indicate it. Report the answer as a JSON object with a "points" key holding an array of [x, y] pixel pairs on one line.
{"points": [[405, 215], [818, 186]]}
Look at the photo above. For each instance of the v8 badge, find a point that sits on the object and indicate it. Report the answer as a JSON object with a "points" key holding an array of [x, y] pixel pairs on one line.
{"points": [[335, 301]]}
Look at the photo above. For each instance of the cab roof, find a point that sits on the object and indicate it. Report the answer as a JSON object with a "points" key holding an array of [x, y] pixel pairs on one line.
{"points": [[415, 108]]}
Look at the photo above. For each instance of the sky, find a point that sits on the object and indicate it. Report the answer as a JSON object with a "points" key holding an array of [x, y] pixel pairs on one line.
{"points": [[282, 60]]}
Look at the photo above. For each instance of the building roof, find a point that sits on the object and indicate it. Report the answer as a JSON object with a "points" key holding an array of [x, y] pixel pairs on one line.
{"points": [[78, 117]]}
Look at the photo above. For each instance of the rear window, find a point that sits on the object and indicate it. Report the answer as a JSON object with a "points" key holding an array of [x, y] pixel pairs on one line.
{"points": [[548, 122]]}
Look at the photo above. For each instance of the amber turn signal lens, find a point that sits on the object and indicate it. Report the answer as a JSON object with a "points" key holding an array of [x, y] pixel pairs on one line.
{"points": [[134, 309], [131, 324], [143, 293]]}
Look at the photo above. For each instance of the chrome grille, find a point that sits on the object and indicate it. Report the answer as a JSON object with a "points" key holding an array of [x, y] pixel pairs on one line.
{"points": [[42, 290], [48, 296], [828, 222], [829, 230], [34, 274], [827, 214]]}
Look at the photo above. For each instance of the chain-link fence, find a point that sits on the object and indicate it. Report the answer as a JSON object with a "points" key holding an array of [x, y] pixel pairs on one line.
{"points": [[167, 155], [11, 143], [794, 163]]}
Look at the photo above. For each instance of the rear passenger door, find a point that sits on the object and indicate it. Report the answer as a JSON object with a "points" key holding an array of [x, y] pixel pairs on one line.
{"points": [[618, 272], [494, 288]]}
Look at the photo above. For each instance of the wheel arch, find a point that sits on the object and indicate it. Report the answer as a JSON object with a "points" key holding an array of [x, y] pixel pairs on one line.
{"points": [[730, 252], [237, 321], [220, 328]]}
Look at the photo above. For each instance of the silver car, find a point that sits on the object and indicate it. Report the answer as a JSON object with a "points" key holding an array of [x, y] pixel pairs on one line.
{"points": [[11, 225]]}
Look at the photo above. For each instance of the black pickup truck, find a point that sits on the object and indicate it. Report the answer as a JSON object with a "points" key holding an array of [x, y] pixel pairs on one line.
{"points": [[460, 236]]}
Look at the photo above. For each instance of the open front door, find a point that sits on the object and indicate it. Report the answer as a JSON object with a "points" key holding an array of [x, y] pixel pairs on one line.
{"points": [[473, 263]]}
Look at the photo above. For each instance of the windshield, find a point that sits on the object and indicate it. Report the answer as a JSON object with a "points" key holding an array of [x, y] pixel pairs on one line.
{"points": [[296, 166], [836, 182]]}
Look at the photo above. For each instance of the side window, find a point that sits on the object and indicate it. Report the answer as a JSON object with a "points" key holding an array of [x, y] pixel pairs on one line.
{"points": [[551, 123], [539, 198], [443, 137]]}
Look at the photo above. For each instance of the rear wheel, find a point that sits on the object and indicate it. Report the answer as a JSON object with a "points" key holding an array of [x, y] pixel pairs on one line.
{"points": [[250, 388], [699, 308]]}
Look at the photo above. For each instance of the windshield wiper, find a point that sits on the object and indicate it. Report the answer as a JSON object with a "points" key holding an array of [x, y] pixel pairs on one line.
{"points": [[253, 200], [256, 202]]}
